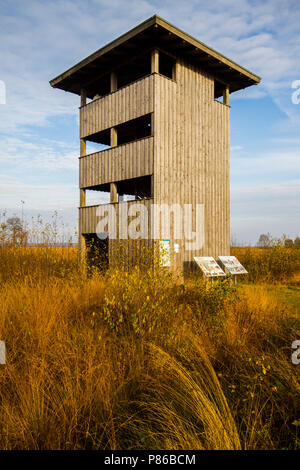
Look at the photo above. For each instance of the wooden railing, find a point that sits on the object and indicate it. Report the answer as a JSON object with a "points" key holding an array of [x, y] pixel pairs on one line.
{"points": [[129, 102], [126, 161], [89, 216]]}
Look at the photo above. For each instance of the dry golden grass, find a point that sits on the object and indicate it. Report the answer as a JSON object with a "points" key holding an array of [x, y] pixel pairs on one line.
{"points": [[137, 360], [274, 264]]}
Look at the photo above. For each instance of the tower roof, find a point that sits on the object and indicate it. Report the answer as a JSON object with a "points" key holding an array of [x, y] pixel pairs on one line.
{"points": [[154, 33]]}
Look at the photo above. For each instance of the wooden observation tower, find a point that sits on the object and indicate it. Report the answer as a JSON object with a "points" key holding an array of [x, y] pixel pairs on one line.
{"points": [[156, 100]]}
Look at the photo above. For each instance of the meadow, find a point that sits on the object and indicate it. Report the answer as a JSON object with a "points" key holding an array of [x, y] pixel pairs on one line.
{"points": [[141, 360]]}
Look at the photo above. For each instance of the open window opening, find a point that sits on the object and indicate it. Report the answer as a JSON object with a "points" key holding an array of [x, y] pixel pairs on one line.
{"points": [[134, 189], [219, 91], [133, 130], [98, 141], [138, 68], [127, 190], [127, 73], [126, 132], [95, 196], [100, 87], [166, 65], [92, 147]]}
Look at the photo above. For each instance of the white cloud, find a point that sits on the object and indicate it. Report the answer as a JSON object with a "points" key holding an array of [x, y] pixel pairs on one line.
{"points": [[268, 165], [247, 230], [45, 154], [273, 200], [265, 208], [39, 40], [36, 196], [44, 39]]}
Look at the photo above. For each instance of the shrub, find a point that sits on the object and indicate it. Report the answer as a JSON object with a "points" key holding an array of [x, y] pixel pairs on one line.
{"points": [[275, 264]]}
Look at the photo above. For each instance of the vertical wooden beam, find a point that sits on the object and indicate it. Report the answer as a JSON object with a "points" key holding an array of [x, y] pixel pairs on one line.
{"points": [[113, 143], [82, 148], [113, 137], [152, 123], [113, 82], [113, 192], [155, 61], [83, 97], [226, 95], [82, 202], [83, 254], [82, 154], [82, 198]]}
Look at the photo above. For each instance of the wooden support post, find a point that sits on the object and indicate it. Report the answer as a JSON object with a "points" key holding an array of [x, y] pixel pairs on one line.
{"points": [[113, 140], [152, 186], [226, 95], [113, 192], [155, 61], [82, 198], [113, 137], [82, 148], [152, 123], [83, 255], [83, 97], [113, 82], [82, 202]]}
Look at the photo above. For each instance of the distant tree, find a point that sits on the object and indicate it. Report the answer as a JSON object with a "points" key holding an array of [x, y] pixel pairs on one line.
{"points": [[264, 241], [297, 242], [3, 233], [16, 233], [288, 243]]}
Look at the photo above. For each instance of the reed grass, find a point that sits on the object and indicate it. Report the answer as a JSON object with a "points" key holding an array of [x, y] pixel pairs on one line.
{"points": [[139, 360]]}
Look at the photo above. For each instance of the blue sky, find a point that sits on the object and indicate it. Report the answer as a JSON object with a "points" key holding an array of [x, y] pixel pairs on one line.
{"points": [[39, 142]]}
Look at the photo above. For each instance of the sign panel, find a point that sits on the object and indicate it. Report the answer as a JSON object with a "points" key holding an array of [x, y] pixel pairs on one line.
{"points": [[232, 265], [209, 266], [165, 253]]}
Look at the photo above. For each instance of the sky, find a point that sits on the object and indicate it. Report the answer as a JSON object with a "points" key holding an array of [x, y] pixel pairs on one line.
{"points": [[39, 144]]}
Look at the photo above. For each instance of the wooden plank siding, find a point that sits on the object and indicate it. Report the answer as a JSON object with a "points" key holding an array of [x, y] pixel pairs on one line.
{"points": [[191, 156], [119, 163], [124, 253], [129, 102], [89, 219], [129, 252]]}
